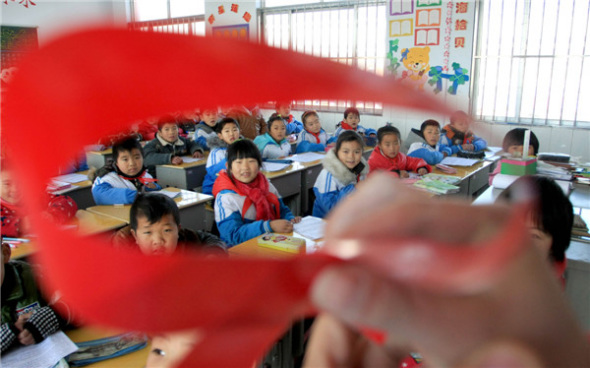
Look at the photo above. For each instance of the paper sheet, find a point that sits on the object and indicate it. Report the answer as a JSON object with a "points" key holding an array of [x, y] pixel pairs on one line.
{"points": [[311, 227], [459, 161], [44, 354], [274, 166], [188, 159], [169, 193], [71, 178], [307, 157], [503, 181]]}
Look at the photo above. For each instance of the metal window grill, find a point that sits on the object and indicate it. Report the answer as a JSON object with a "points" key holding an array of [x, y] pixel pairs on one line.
{"points": [[194, 25], [349, 32], [531, 62]]}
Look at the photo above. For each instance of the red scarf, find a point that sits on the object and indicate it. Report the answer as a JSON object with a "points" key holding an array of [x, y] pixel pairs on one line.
{"points": [[456, 136], [138, 180], [266, 203], [346, 126], [316, 135]]}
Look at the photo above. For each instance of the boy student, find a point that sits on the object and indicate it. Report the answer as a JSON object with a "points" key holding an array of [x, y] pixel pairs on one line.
{"points": [[206, 128], [351, 121], [387, 156], [428, 147], [228, 131], [154, 225], [188, 120], [313, 138], [168, 147], [458, 137], [284, 111], [251, 122], [118, 182], [26, 317]]}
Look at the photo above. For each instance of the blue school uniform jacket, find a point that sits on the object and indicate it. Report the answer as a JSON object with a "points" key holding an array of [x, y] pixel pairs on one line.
{"points": [[294, 126], [334, 183], [204, 132], [215, 163], [113, 189], [269, 148], [236, 227], [450, 137], [359, 129], [420, 149], [306, 142]]}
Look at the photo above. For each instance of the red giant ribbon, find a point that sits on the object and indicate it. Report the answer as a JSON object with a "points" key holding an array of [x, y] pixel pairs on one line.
{"points": [[94, 83]]}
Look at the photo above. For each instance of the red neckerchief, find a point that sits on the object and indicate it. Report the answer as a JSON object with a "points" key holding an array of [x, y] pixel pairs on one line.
{"points": [[346, 126], [138, 180], [290, 119], [316, 135], [466, 138], [255, 192]]}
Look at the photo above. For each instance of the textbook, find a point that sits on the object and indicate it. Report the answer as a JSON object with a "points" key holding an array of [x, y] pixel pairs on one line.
{"points": [[448, 179], [436, 186], [56, 185], [285, 243]]}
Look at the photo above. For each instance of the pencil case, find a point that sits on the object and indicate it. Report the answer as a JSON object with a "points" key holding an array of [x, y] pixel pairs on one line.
{"points": [[285, 243]]}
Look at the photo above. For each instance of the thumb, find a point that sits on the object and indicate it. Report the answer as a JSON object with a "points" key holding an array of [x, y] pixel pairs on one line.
{"points": [[502, 354]]}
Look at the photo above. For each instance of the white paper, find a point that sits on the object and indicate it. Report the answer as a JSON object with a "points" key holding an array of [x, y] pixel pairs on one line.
{"points": [[44, 354], [71, 178], [307, 157], [310, 227], [503, 181], [458, 161], [274, 166], [169, 193], [188, 159]]}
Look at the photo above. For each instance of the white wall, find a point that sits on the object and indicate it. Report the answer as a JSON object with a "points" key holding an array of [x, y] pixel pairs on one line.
{"points": [[54, 18]]}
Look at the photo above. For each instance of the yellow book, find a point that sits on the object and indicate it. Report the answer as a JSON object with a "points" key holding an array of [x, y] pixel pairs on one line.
{"points": [[285, 243]]}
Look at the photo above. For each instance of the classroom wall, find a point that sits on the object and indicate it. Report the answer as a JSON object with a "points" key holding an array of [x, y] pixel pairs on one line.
{"points": [[54, 18]]}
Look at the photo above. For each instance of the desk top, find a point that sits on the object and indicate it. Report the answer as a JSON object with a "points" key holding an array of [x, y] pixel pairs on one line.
{"points": [[94, 223], [187, 198], [135, 359], [464, 172], [294, 167], [108, 151], [250, 248], [187, 165], [76, 186]]}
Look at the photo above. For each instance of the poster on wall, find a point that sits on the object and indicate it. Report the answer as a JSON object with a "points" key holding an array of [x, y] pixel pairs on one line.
{"points": [[231, 19], [14, 43], [430, 44]]}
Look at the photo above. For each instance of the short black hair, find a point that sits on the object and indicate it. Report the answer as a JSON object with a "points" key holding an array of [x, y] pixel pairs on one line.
{"points": [[515, 137], [348, 136], [306, 114], [126, 144], [274, 117], [223, 122], [553, 212], [242, 148], [351, 110], [429, 122], [152, 206], [388, 129]]}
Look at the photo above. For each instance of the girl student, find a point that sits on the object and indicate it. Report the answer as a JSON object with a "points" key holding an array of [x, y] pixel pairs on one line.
{"points": [[273, 144], [344, 166], [246, 203], [313, 138], [118, 182], [387, 156], [227, 131]]}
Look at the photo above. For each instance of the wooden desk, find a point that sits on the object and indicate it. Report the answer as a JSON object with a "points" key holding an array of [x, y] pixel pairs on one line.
{"points": [[99, 158], [80, 192], [135, 359], [185, 176], [288, 183], [191, 206], [474, 179], [90, 223]]}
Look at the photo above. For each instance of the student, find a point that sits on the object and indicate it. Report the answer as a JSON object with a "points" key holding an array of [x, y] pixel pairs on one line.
{"points": [[273, 144], [187, 121], [502, 306], [228, 131], [247, 205], [343, 167], [351, 121], [283, 109], [251, 122], [206, 128], [119, 181], [61, 208], [512, 145], [168, 148], [458, 137], [26, 317], [313, 138], [154, 227], [550, 220], [386, 156], [428, 147]]}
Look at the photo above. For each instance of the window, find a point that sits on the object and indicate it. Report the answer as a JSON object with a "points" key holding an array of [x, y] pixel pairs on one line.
{"points": [[169, 16], [349, 32], [532, 64]]}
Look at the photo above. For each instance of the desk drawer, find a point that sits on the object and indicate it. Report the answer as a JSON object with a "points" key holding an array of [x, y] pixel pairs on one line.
{"points": [[478, 181]]}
